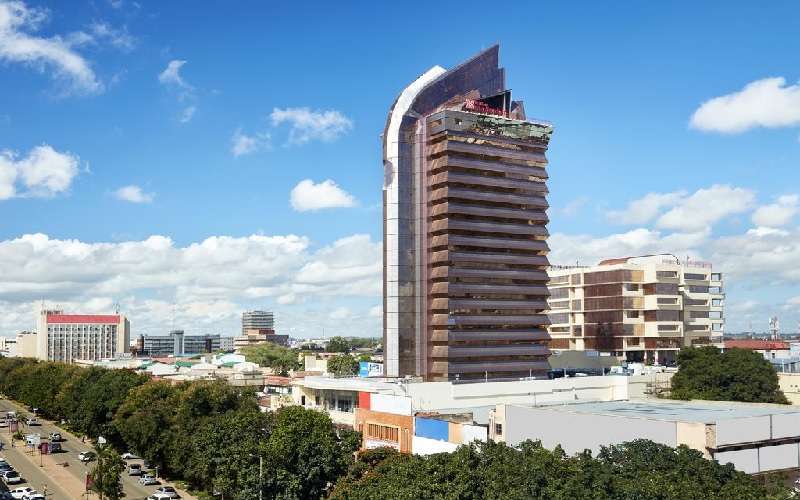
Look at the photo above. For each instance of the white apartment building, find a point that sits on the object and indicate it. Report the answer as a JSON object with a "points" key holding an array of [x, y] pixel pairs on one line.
{"points": [[637, 308], [68, 337]]}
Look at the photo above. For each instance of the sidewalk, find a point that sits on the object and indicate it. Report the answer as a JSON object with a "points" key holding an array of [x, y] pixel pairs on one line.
{"points": [[60, 483]]}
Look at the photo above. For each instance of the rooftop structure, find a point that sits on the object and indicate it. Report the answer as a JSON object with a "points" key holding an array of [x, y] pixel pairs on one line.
{"points": [[755, 438], [638, 308], [465, 251]]}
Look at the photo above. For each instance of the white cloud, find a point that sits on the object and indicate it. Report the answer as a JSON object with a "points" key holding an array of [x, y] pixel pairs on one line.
{"points": [[133, 194], [766, 103], [574, 206], [307, 196], [307, 125], [779, 213], [208, 281], [172, 74], [646, 208], [118, 38], [187, 114], [243, 144], [685, 212], [17, 44], [341, 313], [43, 173], [706, 207]]}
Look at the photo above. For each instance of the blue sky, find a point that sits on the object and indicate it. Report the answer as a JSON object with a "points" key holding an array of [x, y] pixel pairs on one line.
{"points": [[156, 147]]}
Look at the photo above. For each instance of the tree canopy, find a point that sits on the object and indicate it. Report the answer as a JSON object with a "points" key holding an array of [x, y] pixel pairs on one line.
{"points": [[106, 476], [638, 469], [733, 375], [280, 359], [343, 365]]}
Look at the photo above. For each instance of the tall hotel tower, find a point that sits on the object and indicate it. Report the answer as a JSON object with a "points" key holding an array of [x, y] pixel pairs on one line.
{"points": [[465, 242]]}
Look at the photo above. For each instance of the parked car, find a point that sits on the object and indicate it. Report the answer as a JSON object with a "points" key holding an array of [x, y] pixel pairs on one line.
{"points": [[87, 456], [148, 480], [34, 496], [55, 437], [4, 423], [158, 495], [33, 421], [134, 469], [169, 491], [55, 447], [5, 466], [128, 456], [21, 492], [12, 477]]}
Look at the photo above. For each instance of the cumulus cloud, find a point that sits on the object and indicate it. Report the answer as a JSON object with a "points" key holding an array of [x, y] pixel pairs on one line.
{"points": [[133, 194], [45, 172], [19, 45], [777, 214], [172, 74], [307, 196], [768, 103], [307, 125], [686, 212], [208, 280], [243, 144], [647, 208]]}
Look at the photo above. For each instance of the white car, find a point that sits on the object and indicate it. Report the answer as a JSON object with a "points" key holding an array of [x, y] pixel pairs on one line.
{"points": [[21, 492], [148, 480], [34, 496], [87, 456], [163, 496], [12, 477], [166, 492]]}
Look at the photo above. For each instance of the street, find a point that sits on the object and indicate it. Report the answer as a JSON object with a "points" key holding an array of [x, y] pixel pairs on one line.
{"points": [[71, 478]]}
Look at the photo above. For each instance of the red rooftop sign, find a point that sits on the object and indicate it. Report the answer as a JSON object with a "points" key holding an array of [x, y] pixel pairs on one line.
{"points": [[83, 318], [479, 106]]}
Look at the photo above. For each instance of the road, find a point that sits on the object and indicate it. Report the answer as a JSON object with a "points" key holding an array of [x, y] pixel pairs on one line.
{"points": [[72, 446]]}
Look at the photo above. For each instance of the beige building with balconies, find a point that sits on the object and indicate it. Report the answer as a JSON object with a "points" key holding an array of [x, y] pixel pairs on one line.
{"points": [[636, 308]]}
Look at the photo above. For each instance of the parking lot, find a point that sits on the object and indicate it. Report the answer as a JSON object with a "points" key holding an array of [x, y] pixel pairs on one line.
{"points": [[63, 473]]}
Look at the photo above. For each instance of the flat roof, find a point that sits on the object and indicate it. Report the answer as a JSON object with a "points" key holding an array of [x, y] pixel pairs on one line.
{"points": [[676, 411]]}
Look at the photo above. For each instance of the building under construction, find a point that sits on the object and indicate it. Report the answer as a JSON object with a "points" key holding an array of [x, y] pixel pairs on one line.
{"points": [[465, 238]]}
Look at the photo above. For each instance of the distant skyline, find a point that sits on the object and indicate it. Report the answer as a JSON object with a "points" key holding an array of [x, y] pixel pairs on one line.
{"points": [[202, 159]]}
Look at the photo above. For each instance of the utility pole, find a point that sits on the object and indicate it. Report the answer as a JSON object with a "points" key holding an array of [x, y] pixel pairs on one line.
{"points": [[260, 476]]}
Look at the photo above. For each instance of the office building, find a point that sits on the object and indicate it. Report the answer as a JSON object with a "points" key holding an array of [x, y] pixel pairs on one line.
{"points": [[465, 250], [257, 320], [637, 308], [67, 337], [179, 344]]}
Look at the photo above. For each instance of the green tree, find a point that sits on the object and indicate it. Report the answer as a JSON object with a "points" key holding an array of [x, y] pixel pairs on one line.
{"points": [[338, 344], [304, 455], [106, 476], [733, 375], [279, 358], [343, 365]]}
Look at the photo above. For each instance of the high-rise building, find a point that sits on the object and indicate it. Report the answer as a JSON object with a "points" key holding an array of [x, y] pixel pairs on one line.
{"points": [[637, 308], [465, 250], [179, 344], [257, 320], [89, 337]]}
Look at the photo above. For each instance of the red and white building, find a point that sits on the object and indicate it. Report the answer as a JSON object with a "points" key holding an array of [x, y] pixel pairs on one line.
{"points": [[69, 337]]}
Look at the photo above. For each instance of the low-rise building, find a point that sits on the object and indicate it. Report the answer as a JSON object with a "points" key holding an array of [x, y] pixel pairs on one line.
{"points": [[177, 343], [753, 437]]}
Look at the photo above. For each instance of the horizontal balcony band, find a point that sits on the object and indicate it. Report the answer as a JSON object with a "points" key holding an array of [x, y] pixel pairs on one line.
{"points": [[480, 350], [485, 150], [487, 166], [488, 320], [494, 258], [462, 272], [493, 304], [445, 240], [532, 334], [486, 227], [495, 366], [484, 180], [449, 207], [459, 288], [529, 200]]}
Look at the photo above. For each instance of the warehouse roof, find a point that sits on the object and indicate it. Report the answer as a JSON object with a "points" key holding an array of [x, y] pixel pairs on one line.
{"points": [[681, 411]]}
